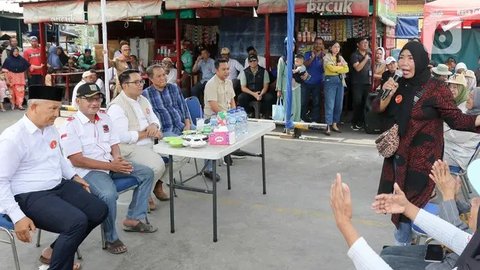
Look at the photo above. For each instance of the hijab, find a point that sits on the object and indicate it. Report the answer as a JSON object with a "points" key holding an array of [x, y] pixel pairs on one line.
{"points": [[16, 64], [63, 57], [383, 55], [462, 95], [476, 102], [470, 257], [408, 88], [53, 59]]}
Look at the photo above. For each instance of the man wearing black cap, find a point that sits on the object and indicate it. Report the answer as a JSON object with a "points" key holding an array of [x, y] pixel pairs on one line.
{"points": [[254, 81], [39, 188], [32, 55], [261, 60], [92, 145]]}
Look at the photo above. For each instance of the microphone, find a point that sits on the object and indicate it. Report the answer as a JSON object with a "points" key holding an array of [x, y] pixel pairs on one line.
{"points": [[396, 77]]}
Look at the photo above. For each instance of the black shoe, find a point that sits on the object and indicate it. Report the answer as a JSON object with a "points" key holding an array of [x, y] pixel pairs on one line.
{"points": [[356, 127], [209, 175]]}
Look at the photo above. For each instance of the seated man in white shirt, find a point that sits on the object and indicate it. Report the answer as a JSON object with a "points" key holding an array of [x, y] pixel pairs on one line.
{"points": [[89, 76], [137, 126], [39, 187], [91, 144]]}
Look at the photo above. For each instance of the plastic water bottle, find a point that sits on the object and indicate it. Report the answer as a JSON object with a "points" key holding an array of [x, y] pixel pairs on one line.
{"points": [[213, 121], [244, 123], [238, 122], [231, 121]]}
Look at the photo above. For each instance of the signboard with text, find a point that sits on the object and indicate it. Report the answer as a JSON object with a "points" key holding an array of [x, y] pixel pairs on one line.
{"points": [[323, 7]]}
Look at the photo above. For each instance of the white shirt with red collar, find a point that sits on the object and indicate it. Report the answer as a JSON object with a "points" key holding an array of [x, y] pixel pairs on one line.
{"points": [[93, 139], [31, 161]]}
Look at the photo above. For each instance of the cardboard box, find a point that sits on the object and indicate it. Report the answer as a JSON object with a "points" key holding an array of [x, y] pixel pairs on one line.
{"points": [[222, 138]]}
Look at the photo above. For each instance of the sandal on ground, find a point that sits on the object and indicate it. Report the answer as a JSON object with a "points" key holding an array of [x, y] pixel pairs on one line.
{"points": [[151, 205], [140, 227], [336, 130], [116, 247]]}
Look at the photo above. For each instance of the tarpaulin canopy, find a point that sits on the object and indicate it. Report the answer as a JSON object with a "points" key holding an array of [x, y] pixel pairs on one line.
{"points": [[324, 7], [192, 4], [61, 12], [120, 10], [447, 15], [407, 27]]}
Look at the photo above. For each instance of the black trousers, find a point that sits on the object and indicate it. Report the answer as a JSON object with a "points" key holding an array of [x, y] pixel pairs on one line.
{"points": [[68, 210], [359, 97], [35, 80], [266, 103], [198, 91]]}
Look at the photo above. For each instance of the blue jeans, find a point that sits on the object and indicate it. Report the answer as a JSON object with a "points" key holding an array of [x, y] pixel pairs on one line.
{"points": [[403, 235], [314, 90], [102, 186], [333, 99], [405, 257]]}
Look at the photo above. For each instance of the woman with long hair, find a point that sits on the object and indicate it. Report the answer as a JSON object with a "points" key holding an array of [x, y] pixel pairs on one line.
{"points": [[15, 66], [335, 69], [419, 105]]}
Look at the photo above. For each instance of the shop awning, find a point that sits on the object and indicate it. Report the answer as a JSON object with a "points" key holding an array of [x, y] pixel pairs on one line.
{"points": [[324, 7], [60, 12], [120, 10], [192, 4], [386, 11], [407, 27]]}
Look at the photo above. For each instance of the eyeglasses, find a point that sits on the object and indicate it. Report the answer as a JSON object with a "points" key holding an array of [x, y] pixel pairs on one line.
{"points": [[93, 99], [252, 61], [137, 83]]}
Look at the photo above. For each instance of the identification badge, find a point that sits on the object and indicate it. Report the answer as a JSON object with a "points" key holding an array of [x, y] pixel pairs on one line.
{"points": [[106, 129]]}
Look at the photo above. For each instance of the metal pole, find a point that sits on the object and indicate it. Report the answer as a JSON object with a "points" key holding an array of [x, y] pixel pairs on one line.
{"points": [[172, 191], [289, 60], [43, 47], [214, 177], [103, 7]]}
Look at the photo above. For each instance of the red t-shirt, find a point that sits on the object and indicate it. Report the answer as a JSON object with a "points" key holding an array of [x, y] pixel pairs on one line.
{"points": [[32, 55]]}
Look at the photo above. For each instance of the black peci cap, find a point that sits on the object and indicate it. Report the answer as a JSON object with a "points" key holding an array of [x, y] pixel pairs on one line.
{"points": [[45, 92]]}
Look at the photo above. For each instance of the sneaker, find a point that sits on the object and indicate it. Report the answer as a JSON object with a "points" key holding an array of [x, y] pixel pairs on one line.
{"points": [[355, 127]]}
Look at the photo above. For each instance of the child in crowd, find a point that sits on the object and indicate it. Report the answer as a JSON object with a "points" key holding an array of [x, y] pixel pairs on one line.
{"points": [[3, 90], [300, 69]]}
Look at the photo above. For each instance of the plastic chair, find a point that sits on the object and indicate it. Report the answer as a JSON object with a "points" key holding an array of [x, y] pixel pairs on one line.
{"points": [[458, 171], [418, 233], [194, 108], [7, 226]]}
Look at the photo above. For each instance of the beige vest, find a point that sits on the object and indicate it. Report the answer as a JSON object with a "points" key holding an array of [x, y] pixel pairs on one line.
{"points": [[133, 124]]}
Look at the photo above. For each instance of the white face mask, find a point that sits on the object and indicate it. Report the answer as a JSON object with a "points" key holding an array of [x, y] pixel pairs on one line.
{"points": [[473, 173]]}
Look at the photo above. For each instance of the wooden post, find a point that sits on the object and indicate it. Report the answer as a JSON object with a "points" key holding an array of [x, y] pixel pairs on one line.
{"points": [[178, 46], [267, 41]]}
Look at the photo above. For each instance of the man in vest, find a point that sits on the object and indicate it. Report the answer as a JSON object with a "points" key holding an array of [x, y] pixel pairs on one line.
{"points": [[254, 81], [89, 141], [137, 126]]}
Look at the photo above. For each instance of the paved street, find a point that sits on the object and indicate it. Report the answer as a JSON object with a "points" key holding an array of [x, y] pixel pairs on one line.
{"points": [[289, 228]]}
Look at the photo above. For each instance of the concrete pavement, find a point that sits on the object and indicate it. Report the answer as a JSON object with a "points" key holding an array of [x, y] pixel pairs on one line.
{"points": [[289, 228]]}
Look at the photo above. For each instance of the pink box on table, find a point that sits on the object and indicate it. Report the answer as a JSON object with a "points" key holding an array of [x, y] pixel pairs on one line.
{"points": [[221, 138]]}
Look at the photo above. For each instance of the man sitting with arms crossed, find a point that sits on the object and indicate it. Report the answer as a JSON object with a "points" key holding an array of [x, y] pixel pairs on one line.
{"points": [[39, 188], [137, 126], [91, 144]]}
